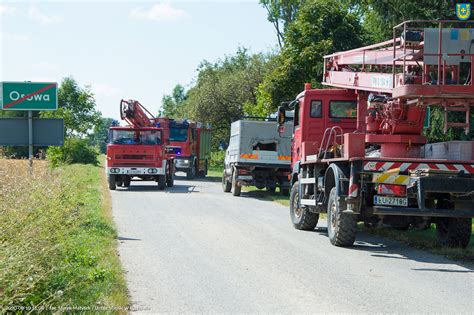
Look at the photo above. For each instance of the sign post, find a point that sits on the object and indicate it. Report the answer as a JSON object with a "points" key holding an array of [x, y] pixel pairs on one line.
{"points": [[30, 141], [28, 96]]}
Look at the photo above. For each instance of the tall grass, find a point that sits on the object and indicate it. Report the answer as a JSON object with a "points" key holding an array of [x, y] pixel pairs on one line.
{"points": [[57, 243]]}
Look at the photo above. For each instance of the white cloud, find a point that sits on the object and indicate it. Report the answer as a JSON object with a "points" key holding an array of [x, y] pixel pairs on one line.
{"points": [[159, 12], [35, 14], [105, 90]]}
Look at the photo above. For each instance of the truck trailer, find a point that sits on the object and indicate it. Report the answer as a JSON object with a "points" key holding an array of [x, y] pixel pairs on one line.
{"points": [[257, 155]]}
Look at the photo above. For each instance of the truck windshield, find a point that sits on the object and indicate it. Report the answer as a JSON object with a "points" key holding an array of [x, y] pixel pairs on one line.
{"points": [[178, 134], [145, 137]]}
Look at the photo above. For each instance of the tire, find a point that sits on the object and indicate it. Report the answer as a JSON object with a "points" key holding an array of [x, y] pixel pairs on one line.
{"points": [[226, 185], [284, 191], [112, 183], [301, 218], [342, 227], [236, 188], [126, 183], [170, 180], [170, 177], [454, 232], [119, 183], [206, 168], [191, 173], [161, 182]]}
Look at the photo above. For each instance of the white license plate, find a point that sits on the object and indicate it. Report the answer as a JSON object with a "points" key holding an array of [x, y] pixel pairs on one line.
{"points": [[390, 201], [133, 172]]}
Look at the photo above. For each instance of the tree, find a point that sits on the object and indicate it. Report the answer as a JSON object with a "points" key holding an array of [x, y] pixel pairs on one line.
{"points": [[170, 103], [320, 28], [100, 133], [225, 91], [380, 16], [77, 106], [281, 13]]}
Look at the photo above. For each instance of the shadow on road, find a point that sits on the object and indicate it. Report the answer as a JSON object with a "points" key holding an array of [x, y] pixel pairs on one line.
{"points": [[215, 179], [123, 238], [381, 247], [443, 270], [176, 189]]}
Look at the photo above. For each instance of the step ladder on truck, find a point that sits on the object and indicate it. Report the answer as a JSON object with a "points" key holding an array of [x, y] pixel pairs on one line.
{"points": [[356, 149], [139, 150]]}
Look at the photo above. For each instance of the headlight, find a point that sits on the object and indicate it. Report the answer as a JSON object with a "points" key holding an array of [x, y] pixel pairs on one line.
{"points": [[152, 171]]}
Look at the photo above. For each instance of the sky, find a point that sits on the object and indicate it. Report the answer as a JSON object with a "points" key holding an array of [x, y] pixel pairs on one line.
{"points": [[125, 49]]}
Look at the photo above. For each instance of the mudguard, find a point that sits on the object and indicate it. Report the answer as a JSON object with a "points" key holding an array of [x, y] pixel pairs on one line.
{"points": [[294, 173], [332, 178]]}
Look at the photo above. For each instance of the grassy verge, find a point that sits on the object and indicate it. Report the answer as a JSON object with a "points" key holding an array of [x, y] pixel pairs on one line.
{"points": [[215, 174], [426, 239], [57, 240]]}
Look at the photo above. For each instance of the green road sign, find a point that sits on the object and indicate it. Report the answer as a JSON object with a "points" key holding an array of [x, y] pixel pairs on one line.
{"points": [[28, 96]]}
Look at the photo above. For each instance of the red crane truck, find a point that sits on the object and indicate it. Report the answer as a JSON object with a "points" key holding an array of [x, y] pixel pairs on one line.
{"points": [[356, 145], [138, 150], [190, 146]]}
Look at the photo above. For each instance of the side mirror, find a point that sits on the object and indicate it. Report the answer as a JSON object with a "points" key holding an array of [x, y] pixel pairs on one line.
{"points": [[281, 115]]}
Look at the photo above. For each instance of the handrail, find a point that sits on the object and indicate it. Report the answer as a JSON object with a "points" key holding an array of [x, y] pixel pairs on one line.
{"points": [[332, 131]]}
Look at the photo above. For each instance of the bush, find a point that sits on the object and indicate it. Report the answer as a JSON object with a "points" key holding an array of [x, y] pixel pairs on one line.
{"points": [[73, 151], [217, 158]]}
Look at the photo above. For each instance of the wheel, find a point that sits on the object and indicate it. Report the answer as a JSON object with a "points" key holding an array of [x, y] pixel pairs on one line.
{"points": [[170, 178], [112, 183], [271, 189], [226, 185], [454, 232], [284, 191], [161, 182], [301, 218], [191, 173], [119, 183], [126, 183], [342, 227], [236, 188]]}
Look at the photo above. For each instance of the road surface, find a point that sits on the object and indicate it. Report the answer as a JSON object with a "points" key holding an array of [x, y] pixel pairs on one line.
{"points": [[193, 248]]}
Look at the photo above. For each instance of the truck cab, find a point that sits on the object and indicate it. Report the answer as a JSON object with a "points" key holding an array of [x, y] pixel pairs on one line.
{"points": [[316, 110], [137, 152], [189, 145]]}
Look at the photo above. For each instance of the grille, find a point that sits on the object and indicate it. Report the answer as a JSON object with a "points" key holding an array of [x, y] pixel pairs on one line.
{"points": [[134, 157]]}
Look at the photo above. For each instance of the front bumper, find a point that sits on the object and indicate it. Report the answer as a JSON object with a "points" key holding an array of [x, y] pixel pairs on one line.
{"points": [[137, 171], [182, 164]]}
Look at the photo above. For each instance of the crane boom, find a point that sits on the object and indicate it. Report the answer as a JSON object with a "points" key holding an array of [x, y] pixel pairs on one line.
{"points": [[427, 63], [136, 114]]}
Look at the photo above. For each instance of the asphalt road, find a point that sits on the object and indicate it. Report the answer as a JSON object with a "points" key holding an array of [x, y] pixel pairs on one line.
{"points": [[193, 248]]}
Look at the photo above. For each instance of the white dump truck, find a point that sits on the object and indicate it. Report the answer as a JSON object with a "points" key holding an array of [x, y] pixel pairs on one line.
{"points": [[258, 154]]}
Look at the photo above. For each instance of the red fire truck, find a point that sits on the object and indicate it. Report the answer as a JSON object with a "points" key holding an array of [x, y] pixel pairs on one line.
{"points": [[190, 146], [356, 146], [138, 151]]}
